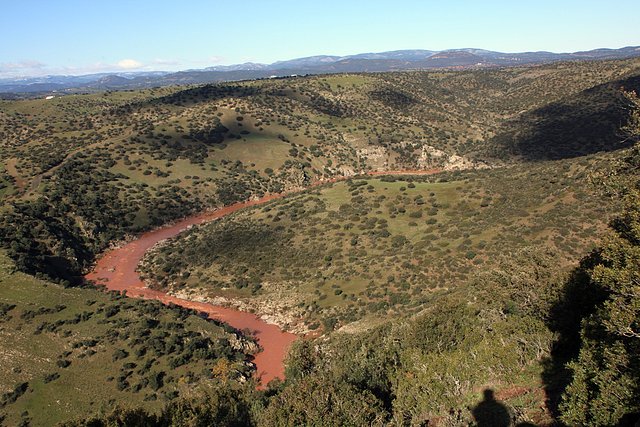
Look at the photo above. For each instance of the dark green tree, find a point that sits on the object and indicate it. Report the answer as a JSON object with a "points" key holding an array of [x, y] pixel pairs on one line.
{"points": [[606, 375]]}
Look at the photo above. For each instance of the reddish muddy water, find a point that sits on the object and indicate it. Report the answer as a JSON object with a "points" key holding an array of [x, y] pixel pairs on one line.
{"points": [[116, 270]]}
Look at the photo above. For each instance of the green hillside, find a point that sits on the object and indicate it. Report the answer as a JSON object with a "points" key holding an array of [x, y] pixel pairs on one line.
{"points": [[69, 352], [511, 273], [126, 161], [383, 247]]}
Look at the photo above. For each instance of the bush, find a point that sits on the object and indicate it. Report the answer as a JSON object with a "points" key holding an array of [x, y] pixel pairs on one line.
{"points": [[12, 396], [51, 377], [119, 354], [63, 363]]}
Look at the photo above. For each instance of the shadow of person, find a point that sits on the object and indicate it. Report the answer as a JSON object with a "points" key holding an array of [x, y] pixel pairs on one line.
{"points": [[490, 412]]}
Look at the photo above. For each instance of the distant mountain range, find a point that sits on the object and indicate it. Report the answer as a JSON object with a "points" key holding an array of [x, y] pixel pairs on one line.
{"points": [[398, 60]]}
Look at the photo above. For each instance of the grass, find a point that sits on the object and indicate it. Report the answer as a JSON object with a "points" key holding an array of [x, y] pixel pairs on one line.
{"points": [[351, 254], [7, 187], [49, 326], [381, 247], [271, 150]]}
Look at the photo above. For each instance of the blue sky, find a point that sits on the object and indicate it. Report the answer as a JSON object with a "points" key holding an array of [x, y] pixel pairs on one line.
{"points": [[78, 37]]}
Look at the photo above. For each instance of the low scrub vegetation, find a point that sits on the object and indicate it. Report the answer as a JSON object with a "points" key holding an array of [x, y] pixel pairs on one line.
{"points": [[92, 350], [500, 291], [384, 247]]}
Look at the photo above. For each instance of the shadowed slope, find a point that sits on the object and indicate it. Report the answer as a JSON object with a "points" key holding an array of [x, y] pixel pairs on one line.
{"points": [[581, 124]]}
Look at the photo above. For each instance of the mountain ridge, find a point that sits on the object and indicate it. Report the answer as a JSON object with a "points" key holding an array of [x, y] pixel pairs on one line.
{"points": [[396, 60]]}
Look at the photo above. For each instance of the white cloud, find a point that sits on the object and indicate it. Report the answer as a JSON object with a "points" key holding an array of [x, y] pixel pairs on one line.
{"points": [[21, 66], [129, 64], [33, 68]]}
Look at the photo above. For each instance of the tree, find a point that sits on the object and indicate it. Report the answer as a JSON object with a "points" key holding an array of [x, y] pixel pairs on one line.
{"points": [[223, 406], [606, 375], [316, 401]]}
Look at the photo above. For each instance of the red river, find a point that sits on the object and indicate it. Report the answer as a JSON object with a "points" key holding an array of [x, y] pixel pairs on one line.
{"points": [[117, 270]]}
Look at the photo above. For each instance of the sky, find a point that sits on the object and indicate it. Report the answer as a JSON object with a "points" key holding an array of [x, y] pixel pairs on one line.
{"points": [[39, 37]]}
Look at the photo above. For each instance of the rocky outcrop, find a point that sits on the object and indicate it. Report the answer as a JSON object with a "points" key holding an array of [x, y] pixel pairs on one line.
{"points": [[431, 157], [277, 309], [294, 178], [376, 157]]}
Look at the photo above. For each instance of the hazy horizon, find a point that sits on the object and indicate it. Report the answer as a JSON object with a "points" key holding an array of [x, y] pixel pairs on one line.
{"points": [[71, 37]]}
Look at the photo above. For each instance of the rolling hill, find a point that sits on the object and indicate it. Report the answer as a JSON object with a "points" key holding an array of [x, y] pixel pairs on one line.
{"points": [[421, 292]]}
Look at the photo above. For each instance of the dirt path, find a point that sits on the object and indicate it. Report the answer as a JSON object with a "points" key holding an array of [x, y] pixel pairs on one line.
{"points": [[13, 171], [116, 270]]}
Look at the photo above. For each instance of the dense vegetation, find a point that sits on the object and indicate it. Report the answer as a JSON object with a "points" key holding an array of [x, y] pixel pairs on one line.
{"points": [[606, 375], [604, 388], [426, 292]]}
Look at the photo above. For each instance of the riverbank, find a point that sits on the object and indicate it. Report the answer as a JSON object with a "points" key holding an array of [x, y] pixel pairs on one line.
{"points": [[117, 270]]}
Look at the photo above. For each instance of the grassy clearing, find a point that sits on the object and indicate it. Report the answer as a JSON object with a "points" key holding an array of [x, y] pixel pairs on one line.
{"points": [[81, 351], [271, 148]]}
